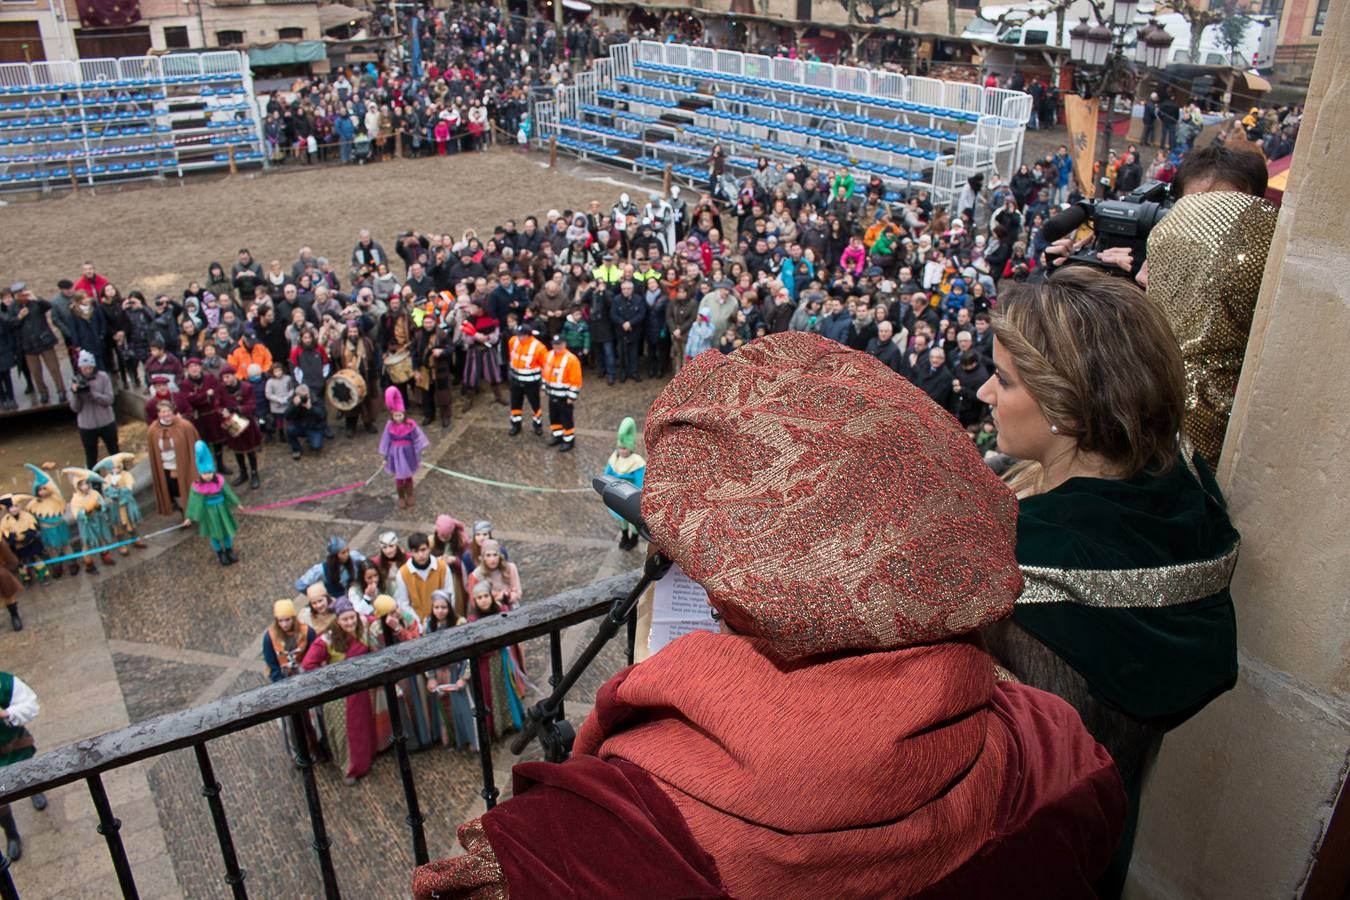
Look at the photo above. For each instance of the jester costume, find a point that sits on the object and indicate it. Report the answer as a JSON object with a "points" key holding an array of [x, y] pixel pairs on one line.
{"points": [[48, 507], [90, 513], [211, 504], [625, 463], [124, 513], [20, 531]]}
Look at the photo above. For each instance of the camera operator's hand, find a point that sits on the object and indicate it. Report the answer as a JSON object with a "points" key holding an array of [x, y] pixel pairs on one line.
{"points": [[1063, 248], [1124, 258]]}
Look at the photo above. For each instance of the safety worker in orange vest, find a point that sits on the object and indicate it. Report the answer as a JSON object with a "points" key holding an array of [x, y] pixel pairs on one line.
{"points": [[527, 354], [562, 381]]}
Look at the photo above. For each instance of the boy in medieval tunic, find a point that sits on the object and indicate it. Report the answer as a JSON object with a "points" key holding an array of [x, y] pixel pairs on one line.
{"points": [[625, 463], [49, 509], [211, 504], [20, 532], [119, 490], [420, 577], [18, 707], [90, 513]]}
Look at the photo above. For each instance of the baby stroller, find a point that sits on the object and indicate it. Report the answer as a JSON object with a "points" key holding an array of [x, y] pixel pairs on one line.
{"points": [[361, 146]]}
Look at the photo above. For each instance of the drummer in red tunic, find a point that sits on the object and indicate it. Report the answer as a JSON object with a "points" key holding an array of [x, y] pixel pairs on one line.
{"points": [[242, 435]]}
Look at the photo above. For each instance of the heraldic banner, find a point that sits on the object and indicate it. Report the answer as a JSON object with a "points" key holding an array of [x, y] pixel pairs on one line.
{"points": [[108, 13], [1080, 116]]}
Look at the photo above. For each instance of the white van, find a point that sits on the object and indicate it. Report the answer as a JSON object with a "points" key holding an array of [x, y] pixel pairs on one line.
{"points": [[1028, 29]]}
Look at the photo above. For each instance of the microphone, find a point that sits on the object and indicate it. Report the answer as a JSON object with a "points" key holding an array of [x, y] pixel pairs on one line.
{"points": [[624, 500], [1065, 222]]}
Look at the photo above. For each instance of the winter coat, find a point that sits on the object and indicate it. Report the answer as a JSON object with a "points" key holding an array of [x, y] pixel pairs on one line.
{"points": [[32, 334], [837, 327]]}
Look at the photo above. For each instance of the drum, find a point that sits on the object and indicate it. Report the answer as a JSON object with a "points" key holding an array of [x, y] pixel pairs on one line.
{"points": [[235, 424], [346, 390], [399, 366]]}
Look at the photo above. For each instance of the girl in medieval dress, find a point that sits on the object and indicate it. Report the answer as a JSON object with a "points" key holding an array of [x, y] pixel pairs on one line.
{"points": [[124, 513], [348, 636], [480, 334], [391, 626], [388, 560], [504, 684], [449, 707]]}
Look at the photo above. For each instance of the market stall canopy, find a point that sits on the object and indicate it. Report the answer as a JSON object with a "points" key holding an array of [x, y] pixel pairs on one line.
{"points": [[286, 53], [335, 15], [1255, 83]]}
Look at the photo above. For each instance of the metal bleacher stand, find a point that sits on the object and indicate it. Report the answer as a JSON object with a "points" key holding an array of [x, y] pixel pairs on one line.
{"points": [[67, 123], [649, 105]]}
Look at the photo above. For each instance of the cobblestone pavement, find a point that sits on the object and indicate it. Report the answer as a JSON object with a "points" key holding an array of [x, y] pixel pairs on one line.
{"points": [[168, 629]]}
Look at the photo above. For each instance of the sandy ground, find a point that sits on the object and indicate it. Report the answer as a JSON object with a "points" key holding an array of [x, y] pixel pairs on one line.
{"points": [[157, 237]]}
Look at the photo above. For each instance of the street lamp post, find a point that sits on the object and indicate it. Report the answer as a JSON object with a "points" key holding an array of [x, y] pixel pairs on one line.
{"points": [[1103, 69]]}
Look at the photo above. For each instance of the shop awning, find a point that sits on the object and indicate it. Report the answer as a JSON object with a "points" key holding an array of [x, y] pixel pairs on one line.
{"points": [[335, 15], [1255, 83], [286, 53]]}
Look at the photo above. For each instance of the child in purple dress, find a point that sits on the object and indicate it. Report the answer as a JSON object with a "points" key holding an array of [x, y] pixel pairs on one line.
{"points": [[401, 445]]}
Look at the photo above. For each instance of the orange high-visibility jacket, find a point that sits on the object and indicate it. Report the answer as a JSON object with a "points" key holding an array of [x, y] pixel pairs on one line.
{"points": [[562, 374], [527, 357]]}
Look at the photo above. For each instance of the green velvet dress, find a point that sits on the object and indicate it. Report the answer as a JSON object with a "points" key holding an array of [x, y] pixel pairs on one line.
{"points": [[1126, 612]]}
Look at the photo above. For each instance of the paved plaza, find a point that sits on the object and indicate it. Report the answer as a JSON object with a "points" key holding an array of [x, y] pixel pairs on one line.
{"points": [[168, 629]]}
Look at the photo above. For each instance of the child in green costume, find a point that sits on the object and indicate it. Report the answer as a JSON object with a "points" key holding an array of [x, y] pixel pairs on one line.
{"points": [[211, 505]]}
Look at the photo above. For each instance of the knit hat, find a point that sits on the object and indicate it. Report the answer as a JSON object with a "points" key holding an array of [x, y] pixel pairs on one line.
{"points": [[341, 605], [228, 369], [206, 463], [194, 361], [254, 370], [384, 605], [744, 447], [482, 526], [85, 358], [283, 609], [480, 587], [628, 434], [393, 400]]}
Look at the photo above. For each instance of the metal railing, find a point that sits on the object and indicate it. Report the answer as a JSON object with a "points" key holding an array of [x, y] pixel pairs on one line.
{"points": [[195, 728]]}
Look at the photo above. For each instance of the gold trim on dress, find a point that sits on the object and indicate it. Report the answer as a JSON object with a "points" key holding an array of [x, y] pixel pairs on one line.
{"points": [[1155, 587]]}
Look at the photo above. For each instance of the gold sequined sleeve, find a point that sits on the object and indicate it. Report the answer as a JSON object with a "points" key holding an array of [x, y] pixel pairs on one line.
{"points": [[476, 875]]}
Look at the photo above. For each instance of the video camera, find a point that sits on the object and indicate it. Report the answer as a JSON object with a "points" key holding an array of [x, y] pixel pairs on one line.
{"points": [[1117, 223]]}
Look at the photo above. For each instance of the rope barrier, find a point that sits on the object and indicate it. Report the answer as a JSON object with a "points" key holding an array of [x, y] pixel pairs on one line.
{"points": [[294, 500], [107, 547], [510, 486]]}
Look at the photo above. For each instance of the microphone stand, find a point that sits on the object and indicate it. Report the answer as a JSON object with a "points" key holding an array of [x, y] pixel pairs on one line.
{"points": [[542, 719]]}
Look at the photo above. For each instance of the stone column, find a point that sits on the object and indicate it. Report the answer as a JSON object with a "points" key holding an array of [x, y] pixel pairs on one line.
{"points": [[1243, 794]]}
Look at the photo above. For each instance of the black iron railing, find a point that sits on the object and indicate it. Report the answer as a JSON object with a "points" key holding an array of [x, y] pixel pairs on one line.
{"points": [[87, 760]]}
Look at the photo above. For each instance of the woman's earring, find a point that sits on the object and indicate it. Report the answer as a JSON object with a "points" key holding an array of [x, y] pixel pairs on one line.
{"points": [[1054, 429]]}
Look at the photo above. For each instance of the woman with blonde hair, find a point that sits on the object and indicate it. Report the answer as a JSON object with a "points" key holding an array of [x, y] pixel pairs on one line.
{"points": [[1122, 534]]}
